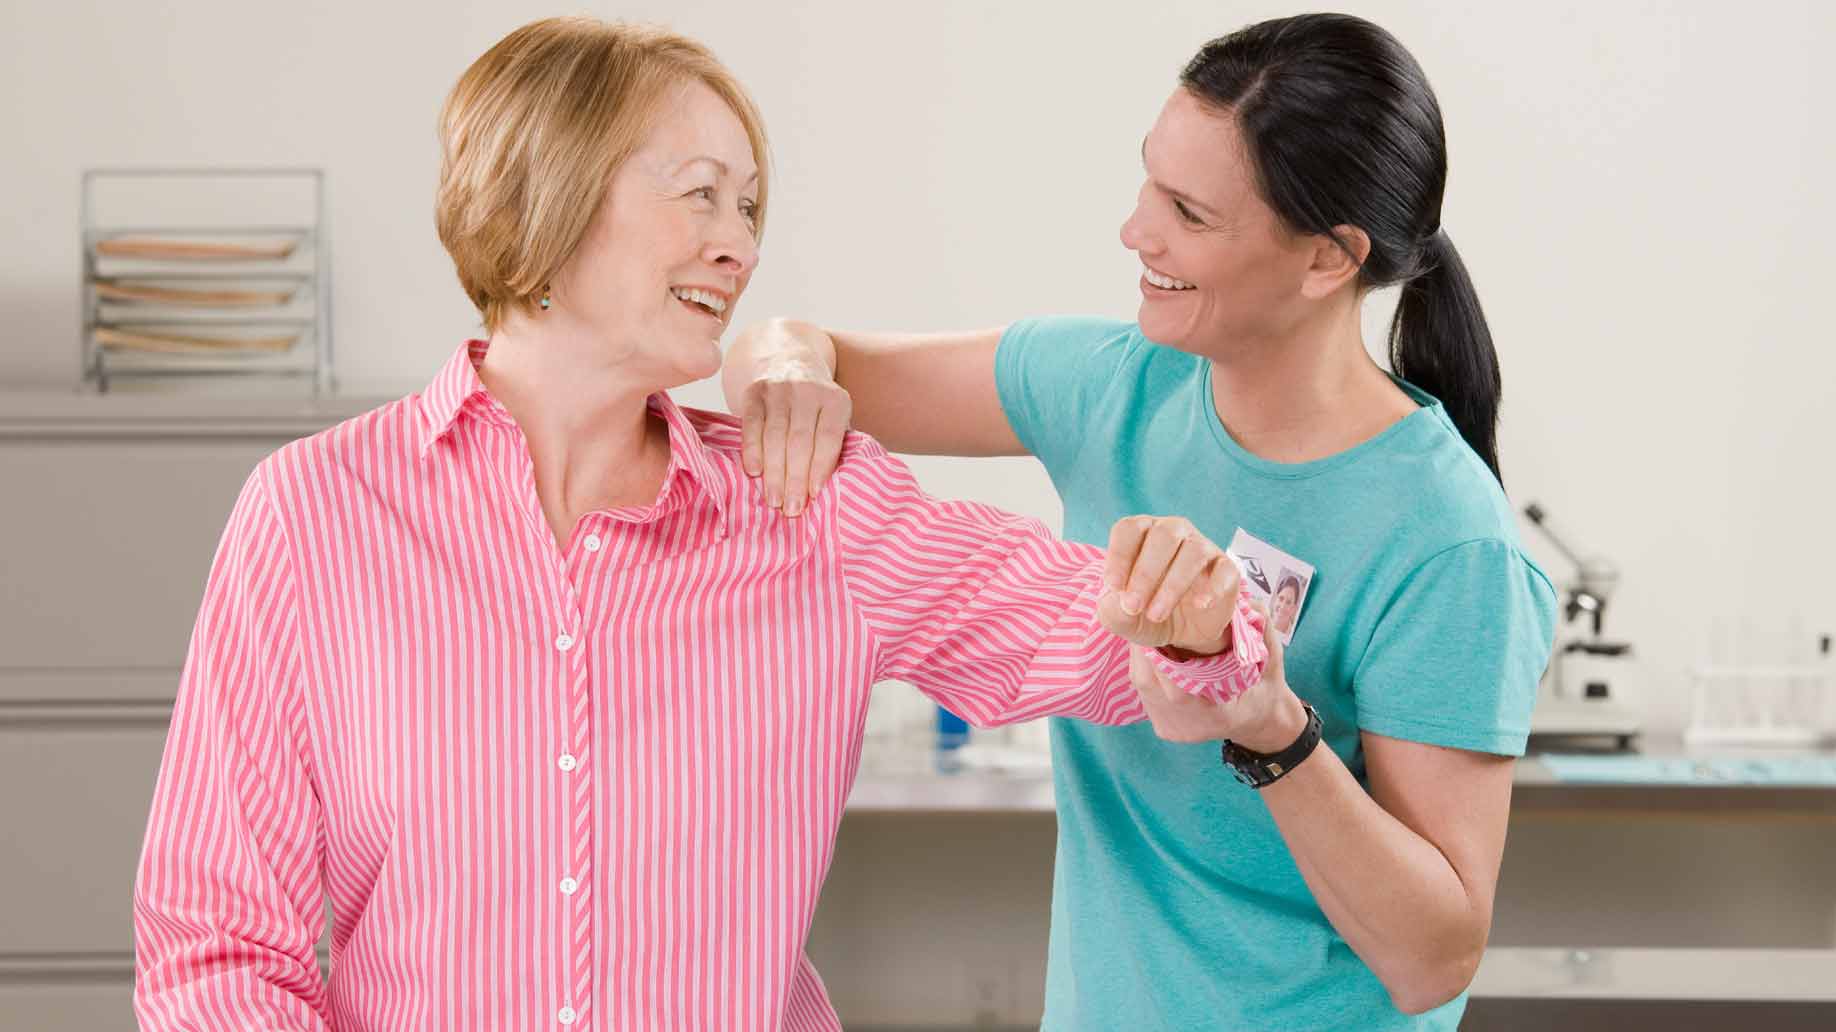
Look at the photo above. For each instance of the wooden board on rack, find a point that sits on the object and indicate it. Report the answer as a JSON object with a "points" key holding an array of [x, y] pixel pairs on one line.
{"points": [[160, 247], [175, 344], [145, 292]]}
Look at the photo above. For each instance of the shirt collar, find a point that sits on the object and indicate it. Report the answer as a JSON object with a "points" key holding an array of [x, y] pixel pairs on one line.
{"points": [[456, 390], [455, 384], [688, 457]]}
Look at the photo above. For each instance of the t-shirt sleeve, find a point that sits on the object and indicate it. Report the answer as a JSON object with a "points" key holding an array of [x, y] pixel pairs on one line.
{"points": [[1049, 372], [1457, 654]]}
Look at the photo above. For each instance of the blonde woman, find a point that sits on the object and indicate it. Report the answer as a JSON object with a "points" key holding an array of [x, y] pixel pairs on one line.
{"points": [[526, 678]]}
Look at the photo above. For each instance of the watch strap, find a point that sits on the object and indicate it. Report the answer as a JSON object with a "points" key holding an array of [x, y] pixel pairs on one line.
{"points": [[1260, 770]]}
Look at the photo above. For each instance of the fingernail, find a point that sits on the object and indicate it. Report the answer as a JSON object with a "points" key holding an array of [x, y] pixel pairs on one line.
{"points": [[1158, 613], [1131, 603], [793, 507]]}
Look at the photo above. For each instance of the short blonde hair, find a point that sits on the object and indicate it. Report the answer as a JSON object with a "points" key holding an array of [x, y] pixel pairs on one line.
{"points": [[532, 133]]}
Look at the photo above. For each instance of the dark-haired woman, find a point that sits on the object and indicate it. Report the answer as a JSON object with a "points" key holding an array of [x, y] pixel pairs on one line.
{"points": [[1298, 165]]}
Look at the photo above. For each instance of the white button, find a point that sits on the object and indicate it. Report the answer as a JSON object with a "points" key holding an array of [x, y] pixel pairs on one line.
{"points": [[592, 542], [567, 1016], [564, 642], [567, 761], [569, 886]]}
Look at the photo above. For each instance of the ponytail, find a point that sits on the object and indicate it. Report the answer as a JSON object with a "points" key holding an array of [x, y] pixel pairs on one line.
{"points": [[1439, 342], [1343, 129]]}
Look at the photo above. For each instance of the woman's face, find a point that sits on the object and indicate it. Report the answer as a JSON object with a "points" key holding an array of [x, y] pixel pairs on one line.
{"points": [[672, 247], [1220, 268], [1285, 604]]}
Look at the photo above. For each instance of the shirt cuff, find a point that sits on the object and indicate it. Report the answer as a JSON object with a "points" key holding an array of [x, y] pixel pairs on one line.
{"points": [[1228, 674]]}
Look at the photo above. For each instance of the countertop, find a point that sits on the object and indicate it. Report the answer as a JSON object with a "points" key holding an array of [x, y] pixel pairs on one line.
{"points": [[1536, 788]]}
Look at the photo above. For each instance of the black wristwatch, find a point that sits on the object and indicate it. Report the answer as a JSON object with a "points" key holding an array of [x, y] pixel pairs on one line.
{"points": [[1260, 770]]}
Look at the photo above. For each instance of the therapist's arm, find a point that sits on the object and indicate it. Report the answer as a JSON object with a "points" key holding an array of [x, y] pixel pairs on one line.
{"points": [[798, 387], [990, 615], [1406, 872], [227, 901]]}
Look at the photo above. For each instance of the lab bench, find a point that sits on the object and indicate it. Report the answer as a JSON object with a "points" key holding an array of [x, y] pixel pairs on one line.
{"points": [[1623, 903]]}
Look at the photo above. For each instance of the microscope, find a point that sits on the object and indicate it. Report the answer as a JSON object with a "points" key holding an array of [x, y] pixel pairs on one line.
{"points": [[1590, 688]]}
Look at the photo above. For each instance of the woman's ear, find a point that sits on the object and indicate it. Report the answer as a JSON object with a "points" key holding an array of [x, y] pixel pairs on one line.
{"points": [[1336, 259]]}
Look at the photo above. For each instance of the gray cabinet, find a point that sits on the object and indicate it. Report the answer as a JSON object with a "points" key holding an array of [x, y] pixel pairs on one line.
{"points": [[112, 511]]}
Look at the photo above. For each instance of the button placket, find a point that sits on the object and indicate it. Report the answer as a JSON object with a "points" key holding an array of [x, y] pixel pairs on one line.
{"points": [[576, 842]]}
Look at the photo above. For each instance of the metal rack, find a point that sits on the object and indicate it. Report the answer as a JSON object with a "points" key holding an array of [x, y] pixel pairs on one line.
{"points": [[227, 314], [1786, 705]]}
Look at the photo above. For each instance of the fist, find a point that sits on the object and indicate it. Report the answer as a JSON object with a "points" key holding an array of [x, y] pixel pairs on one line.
{"points": [[1166, 584]]}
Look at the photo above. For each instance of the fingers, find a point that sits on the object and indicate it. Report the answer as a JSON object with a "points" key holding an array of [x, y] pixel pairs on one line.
{"points": [[777, 428], [752, 430], [1222, 583], [1125, 539], [1216, 594], [1188, 573], [791, 435], [818, 428], [799, 441], [1149, 681], [1272, 638], [826, 446], [1168, 690], [1141, 672], [1155, 558]]}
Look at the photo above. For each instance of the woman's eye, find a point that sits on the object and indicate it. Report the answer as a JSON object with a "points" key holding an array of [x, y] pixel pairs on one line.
{"points": [[1185, 212], [750, 211], [706, 193]]}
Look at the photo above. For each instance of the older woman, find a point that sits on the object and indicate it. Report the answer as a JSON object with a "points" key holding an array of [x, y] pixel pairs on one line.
{"points": [[523, 674]]}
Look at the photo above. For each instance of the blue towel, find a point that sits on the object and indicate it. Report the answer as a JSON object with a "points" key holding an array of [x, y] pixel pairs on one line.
{"points": [[1814, 771]]}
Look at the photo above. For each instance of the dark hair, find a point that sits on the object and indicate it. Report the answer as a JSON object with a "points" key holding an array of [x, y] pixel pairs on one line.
{"points": [[1342, 129], [1288, 580]]}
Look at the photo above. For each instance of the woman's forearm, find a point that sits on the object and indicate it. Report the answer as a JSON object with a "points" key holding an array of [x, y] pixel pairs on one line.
{"points": [[930, 394], [1395, 897]]}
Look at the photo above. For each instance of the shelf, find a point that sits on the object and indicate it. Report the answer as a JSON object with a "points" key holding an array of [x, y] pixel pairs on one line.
{"points": [[141, 293], [304, 232], [252, 275], [143, 247], [225, 319]]}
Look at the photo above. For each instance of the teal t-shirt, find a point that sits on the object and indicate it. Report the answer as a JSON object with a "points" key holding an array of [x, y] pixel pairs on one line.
{"points": [[1176, 904]]}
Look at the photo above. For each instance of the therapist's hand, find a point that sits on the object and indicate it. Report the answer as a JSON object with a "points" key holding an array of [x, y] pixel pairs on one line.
{"points": [[1265, 719], [1166, 584], [780, 381]]}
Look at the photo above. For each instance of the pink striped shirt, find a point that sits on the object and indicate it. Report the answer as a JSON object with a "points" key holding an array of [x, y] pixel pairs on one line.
{"points": [[585, 787]]}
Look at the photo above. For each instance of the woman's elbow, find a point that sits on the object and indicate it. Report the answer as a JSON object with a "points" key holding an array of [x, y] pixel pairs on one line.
{"points": [[1433, 984]]}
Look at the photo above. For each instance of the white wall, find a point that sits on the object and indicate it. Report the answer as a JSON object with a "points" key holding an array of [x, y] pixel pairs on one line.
{"points": [[1637, 187]]}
